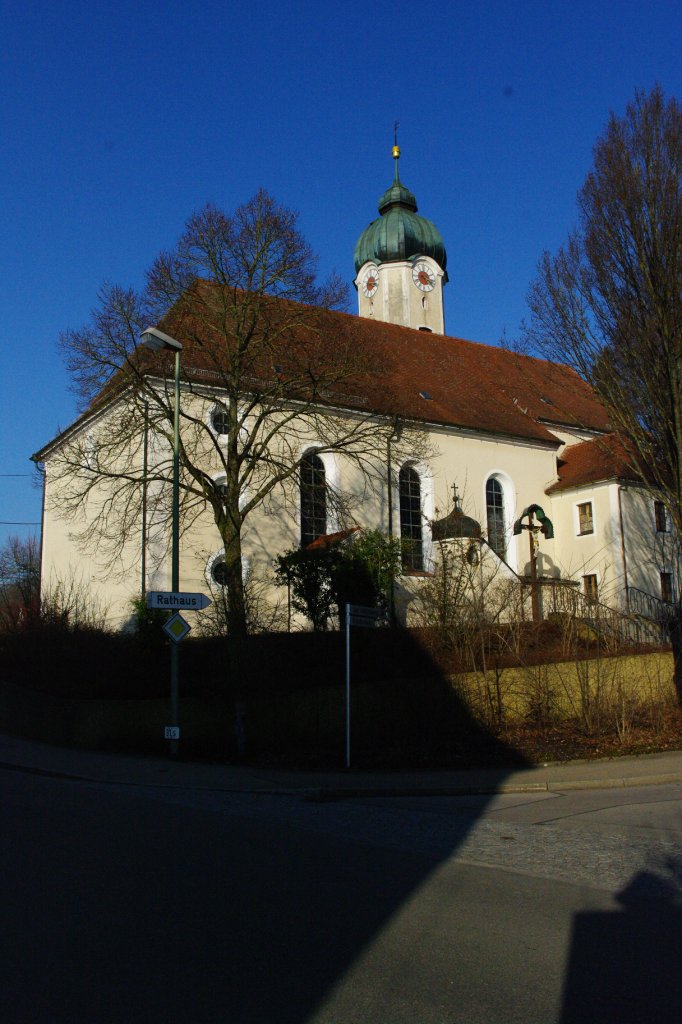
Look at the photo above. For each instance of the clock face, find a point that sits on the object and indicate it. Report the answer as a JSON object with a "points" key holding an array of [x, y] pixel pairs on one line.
{"points": [[370, 282], [423, 276]]}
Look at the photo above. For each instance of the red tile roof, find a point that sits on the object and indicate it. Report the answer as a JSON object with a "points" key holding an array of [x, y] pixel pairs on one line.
{"points": [[394, 371], [417, 375], [591, 462], [328, 540]]}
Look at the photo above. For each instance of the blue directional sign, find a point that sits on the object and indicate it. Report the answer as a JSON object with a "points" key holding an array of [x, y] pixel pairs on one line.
{"points": [[175, 601]]}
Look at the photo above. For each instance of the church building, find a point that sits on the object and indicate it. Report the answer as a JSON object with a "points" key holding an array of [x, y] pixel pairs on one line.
{"points": [[518, 463]]}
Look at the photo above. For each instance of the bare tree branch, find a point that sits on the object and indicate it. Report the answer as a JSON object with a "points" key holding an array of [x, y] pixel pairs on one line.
{"points": [[240, 293], [610, 303]]}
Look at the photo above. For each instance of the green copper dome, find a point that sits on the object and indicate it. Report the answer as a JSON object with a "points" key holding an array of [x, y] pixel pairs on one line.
{"points": [[399, 233]]}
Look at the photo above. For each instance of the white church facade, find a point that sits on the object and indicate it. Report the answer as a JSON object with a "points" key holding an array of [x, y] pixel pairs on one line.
{"points": [[511, 436]]}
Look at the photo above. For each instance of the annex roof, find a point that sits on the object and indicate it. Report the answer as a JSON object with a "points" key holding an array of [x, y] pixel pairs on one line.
{"points": [[590, 462]]}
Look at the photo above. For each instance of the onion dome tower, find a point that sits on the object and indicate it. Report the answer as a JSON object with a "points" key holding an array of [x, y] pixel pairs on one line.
{"points": [[400, 262]]}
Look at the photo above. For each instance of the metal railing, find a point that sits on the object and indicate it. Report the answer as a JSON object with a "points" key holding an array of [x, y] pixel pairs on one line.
{"points": [[612, 625], [650, 607], [647, 622]]}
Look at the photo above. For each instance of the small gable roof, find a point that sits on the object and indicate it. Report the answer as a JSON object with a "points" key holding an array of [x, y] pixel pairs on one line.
{"points": [[590, 462]]}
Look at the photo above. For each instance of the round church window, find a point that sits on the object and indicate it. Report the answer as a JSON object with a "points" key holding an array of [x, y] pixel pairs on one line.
{"points": [[219, 572]]}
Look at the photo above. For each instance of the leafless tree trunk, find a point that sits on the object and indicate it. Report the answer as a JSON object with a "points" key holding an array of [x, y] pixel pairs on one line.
{"points": [[610, 302]]}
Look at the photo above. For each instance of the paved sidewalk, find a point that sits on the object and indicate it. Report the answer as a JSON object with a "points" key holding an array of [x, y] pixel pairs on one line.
{"points": [[121, 769]]}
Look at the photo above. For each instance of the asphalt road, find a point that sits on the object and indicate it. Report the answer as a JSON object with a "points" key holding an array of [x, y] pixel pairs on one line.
{"points": [[136, 904]]}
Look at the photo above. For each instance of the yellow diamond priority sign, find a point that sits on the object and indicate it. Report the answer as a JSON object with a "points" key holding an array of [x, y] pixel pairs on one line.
{"points": [[176, 628]]}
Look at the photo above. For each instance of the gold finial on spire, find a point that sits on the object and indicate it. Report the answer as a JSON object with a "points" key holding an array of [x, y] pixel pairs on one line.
{"points": [[396, 147]]}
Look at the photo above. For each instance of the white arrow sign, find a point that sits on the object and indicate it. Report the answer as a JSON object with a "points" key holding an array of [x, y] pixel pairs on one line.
{"points": [[176, 600]]}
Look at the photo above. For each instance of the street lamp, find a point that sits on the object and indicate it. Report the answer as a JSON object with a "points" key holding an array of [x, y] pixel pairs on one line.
{"points": [[156, 340]]}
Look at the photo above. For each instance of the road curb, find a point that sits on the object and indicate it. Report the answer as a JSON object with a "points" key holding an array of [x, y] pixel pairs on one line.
{"points": [[324, 794], [352, 793]]}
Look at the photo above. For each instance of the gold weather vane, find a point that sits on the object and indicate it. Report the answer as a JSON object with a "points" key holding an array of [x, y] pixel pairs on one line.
{"points": [[396, 147]]}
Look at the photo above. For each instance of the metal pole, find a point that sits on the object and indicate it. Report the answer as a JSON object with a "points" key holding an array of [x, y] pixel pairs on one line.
{"points": [[175, 555], [145, 470], [389, 474], [175, 581], [396, 434], [347, 686]]}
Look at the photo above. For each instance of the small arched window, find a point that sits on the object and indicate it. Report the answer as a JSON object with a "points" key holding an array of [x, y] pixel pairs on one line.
{"points": [[494, 504], [409, 489], [220, 421], [313, 498]]}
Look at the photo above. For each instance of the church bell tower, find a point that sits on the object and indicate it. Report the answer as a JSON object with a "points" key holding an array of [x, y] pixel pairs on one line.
{"points": [[400, 262]]}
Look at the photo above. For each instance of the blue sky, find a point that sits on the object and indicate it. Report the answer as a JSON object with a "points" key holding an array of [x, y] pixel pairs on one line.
{"points": [[119, 119]]}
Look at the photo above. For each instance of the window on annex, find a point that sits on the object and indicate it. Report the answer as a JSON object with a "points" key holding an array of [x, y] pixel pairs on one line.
{"points": [[496, 516], [660, 517], [410, 495], [667, 594], [220, 420], [585, 518], [313, 498], [591, 588]]}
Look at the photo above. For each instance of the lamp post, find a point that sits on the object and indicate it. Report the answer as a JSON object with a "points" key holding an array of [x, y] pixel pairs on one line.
{"points": [[156, 340], [395, 435]]}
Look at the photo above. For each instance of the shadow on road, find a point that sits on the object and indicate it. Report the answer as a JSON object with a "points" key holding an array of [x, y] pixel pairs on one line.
{"points": [[120, 906], [625, 967]]}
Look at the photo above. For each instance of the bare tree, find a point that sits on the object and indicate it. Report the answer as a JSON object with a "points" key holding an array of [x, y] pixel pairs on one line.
{"points": [[239, 292], [610, 302], [19, 579]]}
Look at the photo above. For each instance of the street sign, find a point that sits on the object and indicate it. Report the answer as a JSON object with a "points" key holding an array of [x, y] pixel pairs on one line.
{"points": [[176, 628], [176, 600], [359, 615], [171, 732]]}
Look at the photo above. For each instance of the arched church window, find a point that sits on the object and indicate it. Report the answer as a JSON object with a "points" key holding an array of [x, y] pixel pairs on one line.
{"points": [[409, 489], [494, 502], [313, 498]]}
